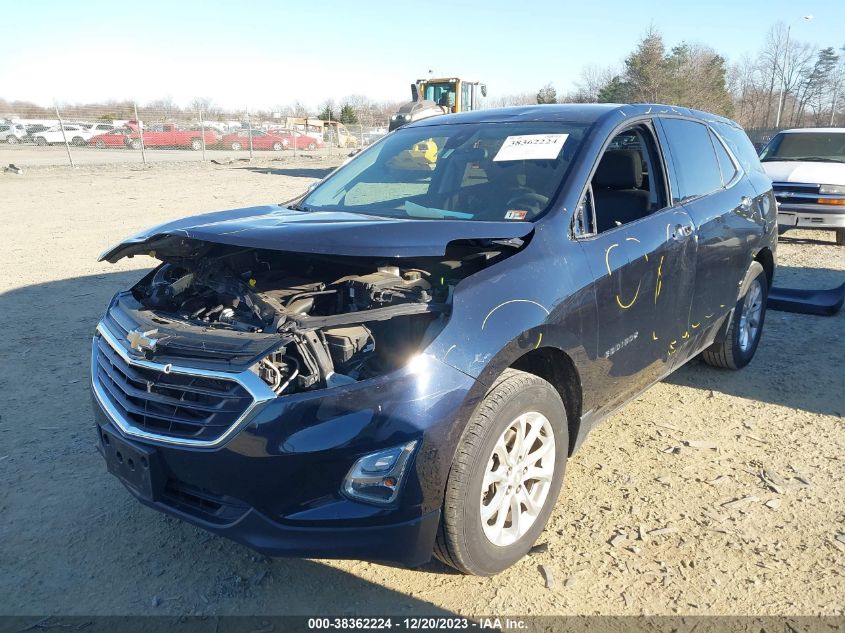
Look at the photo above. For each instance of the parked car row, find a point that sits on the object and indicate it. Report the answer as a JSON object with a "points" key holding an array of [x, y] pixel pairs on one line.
{"points": [[162, 136], [40, 134], [172, 135]]}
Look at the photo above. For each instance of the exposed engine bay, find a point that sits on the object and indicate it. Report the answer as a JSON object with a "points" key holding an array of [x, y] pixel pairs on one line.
{"points": [[327, 320]]}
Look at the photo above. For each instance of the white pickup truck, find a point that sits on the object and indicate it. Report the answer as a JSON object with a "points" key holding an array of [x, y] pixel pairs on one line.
{"points": [[807, 168]]}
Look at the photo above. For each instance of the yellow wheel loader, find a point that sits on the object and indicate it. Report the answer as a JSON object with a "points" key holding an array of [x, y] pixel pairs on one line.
{"points": [[432, 97]]}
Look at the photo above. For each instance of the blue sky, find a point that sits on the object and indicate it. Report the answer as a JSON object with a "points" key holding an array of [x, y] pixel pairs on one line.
{"points": [[260, 54]]}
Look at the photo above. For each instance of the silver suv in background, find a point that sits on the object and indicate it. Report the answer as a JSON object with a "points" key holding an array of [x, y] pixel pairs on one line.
{"points": [[12, 133], [807, 168]]}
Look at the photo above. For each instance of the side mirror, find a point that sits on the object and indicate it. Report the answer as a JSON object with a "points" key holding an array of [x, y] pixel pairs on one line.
{"points": [[483, 90], [353, 152], [415, 93]]}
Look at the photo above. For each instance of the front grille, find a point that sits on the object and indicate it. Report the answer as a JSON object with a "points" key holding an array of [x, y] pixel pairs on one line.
{"points": [[170, 405], [795, 192], [200, 502]]}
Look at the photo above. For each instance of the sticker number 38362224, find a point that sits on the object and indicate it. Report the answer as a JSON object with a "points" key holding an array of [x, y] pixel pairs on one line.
{"points": [[531, 147]]}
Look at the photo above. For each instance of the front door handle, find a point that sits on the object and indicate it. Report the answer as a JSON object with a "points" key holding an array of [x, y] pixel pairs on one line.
{"points": [[682, 231]]}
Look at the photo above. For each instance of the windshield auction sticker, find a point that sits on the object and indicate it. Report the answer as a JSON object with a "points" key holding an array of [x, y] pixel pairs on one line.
{"points": [[531, 147]]}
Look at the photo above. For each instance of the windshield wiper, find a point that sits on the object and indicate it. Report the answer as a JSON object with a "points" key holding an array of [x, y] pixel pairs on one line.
{"points": [[298, 207], [809, 159], [821, 159]]}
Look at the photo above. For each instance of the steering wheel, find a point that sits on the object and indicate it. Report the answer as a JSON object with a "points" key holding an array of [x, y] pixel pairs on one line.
{"points": [[529, 201]]}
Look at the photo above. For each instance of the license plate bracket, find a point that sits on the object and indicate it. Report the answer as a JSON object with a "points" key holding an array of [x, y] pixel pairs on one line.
{"points": [[137, 466]]}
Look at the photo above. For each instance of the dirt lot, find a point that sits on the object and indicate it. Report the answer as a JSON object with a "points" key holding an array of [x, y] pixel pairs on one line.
{"points": [[75, 542]]}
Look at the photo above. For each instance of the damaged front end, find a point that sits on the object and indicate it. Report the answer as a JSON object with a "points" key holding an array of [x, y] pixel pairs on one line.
{"points": [[295, 321]]}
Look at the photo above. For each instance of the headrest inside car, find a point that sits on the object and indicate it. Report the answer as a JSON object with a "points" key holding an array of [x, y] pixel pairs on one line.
{"points": [[620, 169]]}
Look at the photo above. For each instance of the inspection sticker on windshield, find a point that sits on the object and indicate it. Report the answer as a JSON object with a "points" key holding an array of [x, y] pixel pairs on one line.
{"points": [[531, 147], [516, 214]]}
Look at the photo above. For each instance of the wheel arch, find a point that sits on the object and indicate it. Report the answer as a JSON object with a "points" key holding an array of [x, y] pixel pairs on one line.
{"points": [[557, 368], [766, 259]]}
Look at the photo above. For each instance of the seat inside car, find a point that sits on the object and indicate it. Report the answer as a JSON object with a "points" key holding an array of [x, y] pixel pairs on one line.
{"points": [[617, 189]]}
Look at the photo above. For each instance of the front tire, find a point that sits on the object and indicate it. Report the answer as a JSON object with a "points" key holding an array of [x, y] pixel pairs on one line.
{"points": [[236, 146], [840, 237], [196, 144], [746, 326], [311, 147], [277, 146], [100, 144], [505, 477], [40, 140], [12, 139]]}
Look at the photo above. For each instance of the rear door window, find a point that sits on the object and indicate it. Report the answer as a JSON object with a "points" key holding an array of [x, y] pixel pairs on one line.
{"points": [[726, 165], [696, 165]]}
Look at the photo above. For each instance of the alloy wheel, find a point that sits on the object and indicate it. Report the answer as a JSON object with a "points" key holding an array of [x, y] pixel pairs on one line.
{"points": [[518, 477], [749, 321]]}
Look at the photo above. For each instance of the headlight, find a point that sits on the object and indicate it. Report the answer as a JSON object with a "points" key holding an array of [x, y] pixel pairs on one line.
{"points": [[377, 477], [834, 189]]}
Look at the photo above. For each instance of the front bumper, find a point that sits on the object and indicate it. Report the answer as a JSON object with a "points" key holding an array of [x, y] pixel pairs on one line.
{"points": [[275, 483], [407, 542], [811, 216]]}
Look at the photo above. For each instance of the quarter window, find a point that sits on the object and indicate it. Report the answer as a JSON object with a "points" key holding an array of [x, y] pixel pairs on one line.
{"points": [[696, 165]]}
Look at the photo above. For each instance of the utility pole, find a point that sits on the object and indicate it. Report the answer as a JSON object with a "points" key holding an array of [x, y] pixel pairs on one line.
{"points": [[64, 135], [782, 97], [140, 134], [249, 132]]}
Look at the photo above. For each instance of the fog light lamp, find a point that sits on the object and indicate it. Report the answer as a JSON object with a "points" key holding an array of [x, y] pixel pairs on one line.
{"points": [[377, 477]]}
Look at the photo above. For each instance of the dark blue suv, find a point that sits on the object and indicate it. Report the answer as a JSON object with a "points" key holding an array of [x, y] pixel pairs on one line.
{"points": [[399, 362]]}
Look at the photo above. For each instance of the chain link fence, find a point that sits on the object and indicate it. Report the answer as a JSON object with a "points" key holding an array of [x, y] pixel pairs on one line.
{"points": [[760, 136], [131, 133]]}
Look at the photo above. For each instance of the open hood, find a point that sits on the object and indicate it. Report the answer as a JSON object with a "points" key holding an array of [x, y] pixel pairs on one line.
{"points": [[275, 227]]}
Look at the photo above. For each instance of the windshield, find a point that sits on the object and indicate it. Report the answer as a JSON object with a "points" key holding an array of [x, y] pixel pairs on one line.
{"points": [[441, 93], [481, 171], [807, 146]]}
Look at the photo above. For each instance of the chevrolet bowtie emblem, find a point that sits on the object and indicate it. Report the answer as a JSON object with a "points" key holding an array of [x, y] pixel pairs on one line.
{"points": [[142, 341]]}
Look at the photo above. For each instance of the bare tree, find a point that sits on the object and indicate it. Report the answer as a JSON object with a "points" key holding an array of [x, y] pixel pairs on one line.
{"points": [[590, 83]]}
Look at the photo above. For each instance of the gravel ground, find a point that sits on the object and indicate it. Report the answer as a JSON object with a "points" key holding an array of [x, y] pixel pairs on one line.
{"points": [[27, 155], [663, 511]]}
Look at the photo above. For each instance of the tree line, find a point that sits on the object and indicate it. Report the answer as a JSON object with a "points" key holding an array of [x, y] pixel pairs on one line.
{"points": [[805, 83]]}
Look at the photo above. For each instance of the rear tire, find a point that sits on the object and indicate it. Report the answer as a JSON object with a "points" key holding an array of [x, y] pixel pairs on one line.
{"points": [[100, 144], [135, 143], [471, 538], [196, 144], [311, 147], [746, 326], [236, 146], [840, 237], [40, 140], [12, 139], [277, 146], [78, 141]]}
